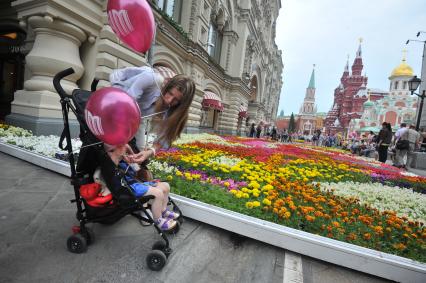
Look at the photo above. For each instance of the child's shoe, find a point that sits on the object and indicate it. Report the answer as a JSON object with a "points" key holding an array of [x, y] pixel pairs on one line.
{"points": [[170, 214], [165, 224]]}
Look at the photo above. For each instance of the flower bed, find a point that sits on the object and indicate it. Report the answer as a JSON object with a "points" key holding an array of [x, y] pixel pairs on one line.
{"points": [[323, 192]]}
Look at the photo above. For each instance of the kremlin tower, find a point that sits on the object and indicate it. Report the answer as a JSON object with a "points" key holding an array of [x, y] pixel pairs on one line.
{"points": [[349, 97]]}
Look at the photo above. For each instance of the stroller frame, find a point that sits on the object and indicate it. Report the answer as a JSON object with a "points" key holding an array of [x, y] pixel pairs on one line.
{"points": [[127, 204]]}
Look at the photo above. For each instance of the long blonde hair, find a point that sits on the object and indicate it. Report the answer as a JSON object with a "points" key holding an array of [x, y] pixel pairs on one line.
{"points": [[170, 128]]}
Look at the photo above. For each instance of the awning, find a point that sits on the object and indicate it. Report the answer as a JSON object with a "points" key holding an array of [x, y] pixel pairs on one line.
{"points": [[165, 72], [212, 100], [242, 111]]}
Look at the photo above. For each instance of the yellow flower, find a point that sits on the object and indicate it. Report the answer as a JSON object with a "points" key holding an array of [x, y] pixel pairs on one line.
{"points": [[266, 201], [256, 204], [226, 184], [249, 204], [178, 173], [169, 177]]}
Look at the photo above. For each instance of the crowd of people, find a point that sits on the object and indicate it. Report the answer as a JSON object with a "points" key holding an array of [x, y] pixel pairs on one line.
{"points": [[398, 146]]}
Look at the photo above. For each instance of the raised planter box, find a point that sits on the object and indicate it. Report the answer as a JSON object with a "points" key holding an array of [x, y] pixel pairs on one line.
{"points": [[362, 259]]}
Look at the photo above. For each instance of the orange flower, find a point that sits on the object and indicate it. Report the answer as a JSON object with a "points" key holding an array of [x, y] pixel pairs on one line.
{"points": [[335, 224], [310, 218], [367, 236], [400, 246]]}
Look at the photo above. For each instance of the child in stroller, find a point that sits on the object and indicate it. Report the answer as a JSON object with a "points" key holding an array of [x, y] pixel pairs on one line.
{"points": [[125, 200], [163, 217]]}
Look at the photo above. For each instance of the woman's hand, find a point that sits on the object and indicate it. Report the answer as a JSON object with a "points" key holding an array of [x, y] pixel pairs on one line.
{"points": [[138, 157]]}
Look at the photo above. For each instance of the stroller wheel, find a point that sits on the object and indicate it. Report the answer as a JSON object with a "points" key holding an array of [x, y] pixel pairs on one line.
{"points": [[161, 246], [156, 260], [90, 236], [77, 244]]}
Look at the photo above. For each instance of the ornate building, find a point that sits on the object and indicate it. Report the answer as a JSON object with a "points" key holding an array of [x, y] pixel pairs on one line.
{"points": [[349, 97], [395, 108], [226, 46], [308, 120]]}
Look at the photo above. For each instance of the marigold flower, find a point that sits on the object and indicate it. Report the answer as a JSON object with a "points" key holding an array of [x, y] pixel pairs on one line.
{"points": [[249, 204]]}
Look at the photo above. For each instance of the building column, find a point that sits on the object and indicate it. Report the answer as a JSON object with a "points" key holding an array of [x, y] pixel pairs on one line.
{"points": [[56, 47]]}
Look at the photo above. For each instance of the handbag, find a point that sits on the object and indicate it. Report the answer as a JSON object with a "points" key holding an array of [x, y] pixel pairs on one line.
{"points": [[402, 144]]}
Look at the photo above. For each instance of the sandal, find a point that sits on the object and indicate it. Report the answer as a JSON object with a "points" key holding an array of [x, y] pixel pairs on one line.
{"points": [[170, 214], [165, 224]]}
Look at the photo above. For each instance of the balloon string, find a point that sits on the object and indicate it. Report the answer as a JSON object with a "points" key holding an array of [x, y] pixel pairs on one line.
{"points": [[88, 145], [154, 114]]}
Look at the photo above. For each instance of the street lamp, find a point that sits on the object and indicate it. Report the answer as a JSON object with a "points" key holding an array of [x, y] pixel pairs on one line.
{"points": [[413, 84]]}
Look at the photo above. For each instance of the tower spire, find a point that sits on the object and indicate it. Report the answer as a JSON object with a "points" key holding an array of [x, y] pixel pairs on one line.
{"points": [[359, 52], [312, 80], [357, 65], [347, 64]]}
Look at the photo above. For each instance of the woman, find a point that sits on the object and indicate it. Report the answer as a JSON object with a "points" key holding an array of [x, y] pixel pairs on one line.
{"points": [[171, 102], [385, 138]]}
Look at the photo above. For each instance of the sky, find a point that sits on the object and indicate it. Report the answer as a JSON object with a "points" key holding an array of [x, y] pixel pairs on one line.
{"points": [[325, 32]]}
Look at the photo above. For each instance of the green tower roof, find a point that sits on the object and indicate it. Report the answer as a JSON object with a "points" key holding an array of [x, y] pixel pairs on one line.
{"points": [[312, 80]]}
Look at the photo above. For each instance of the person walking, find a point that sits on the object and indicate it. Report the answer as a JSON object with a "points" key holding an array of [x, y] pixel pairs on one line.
{"points": [[258, 130], [400, 153], [414, 138], [252, 130], [385, 138]]}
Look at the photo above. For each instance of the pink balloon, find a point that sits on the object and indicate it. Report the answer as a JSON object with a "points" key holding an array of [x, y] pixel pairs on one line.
{"points": [[112, 115], [133, 22]]}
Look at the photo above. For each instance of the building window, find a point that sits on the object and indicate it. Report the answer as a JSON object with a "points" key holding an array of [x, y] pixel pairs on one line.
{"points": [[214, 43], [172, 8], [404, 85], [396, 85]]}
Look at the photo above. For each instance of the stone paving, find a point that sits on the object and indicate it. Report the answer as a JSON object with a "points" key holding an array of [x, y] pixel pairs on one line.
{"points": [[36, 218]]}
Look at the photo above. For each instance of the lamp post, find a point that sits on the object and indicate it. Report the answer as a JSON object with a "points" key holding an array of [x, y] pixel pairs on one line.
{"points": [[413, 84]]}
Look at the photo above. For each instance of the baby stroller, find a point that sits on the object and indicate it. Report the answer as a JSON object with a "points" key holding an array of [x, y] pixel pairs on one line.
{"points": [[91, 156]]}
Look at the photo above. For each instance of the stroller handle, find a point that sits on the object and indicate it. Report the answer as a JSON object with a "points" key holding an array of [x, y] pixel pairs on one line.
{"points": [[57, 81]]}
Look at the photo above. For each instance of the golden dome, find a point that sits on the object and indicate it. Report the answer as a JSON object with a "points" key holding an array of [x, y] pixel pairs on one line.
{"points": [[402, 70]]}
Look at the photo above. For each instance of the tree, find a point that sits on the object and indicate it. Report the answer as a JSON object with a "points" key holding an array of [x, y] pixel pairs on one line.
{"points": [[291, 124]]}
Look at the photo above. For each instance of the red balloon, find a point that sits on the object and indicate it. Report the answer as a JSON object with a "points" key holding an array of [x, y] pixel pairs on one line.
{"points": [[133, 22], [112, 115]]}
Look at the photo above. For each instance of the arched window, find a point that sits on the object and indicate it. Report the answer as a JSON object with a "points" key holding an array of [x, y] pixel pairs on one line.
{"points": [[214, 43], [396, 85], [172, 8]]}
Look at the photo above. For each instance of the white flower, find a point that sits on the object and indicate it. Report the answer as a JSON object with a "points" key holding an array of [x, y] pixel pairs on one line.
{"points": [[403, 201]]}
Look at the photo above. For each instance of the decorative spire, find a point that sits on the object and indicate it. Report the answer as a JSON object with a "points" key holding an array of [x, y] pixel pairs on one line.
{"points": [[312, 80], [368, 94], [359, 52], [404, 54], [347, 64], [357, 65]]}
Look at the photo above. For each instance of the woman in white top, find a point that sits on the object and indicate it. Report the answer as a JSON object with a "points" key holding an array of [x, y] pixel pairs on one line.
{"points": [[171, 102]]}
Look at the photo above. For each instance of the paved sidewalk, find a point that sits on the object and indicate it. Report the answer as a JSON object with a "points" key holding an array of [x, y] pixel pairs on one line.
{"points": [[36, 218]]}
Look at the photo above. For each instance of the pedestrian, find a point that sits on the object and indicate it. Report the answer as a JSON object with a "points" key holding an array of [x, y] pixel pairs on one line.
{"points": [[170, 99], [385, 138], [258, 130], [252, 130], [414, 139], [400, 153], [274, 133]]}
